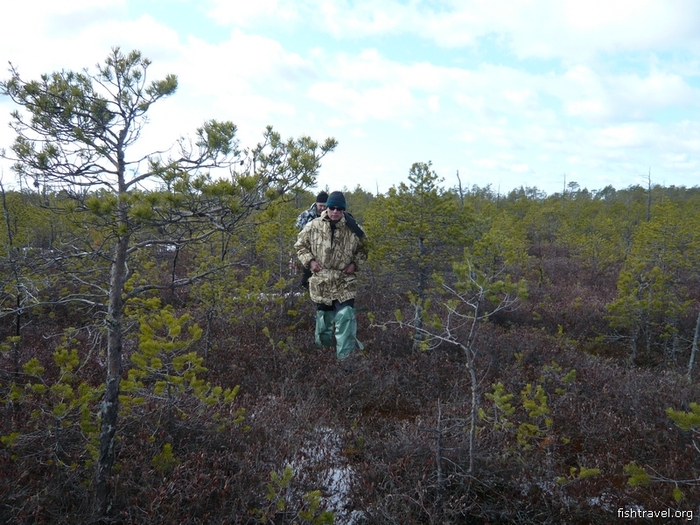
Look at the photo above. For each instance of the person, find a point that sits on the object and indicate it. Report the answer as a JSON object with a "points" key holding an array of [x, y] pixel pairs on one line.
{"points": [[313, 212], [305, 217], [333, 247]]}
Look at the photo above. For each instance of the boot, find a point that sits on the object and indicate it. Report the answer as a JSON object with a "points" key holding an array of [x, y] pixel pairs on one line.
{"points": [[324, 328], [346, 333]]}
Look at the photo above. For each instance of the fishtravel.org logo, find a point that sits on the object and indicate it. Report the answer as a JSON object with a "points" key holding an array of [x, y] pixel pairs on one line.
{"points": [[666, 513]]}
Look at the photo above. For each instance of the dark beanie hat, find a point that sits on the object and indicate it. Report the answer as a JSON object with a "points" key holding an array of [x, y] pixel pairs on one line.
{"points": [[322, 197], [336, 199]]}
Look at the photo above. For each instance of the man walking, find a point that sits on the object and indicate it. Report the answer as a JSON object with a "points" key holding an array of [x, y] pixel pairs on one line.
{"points": [[314, 211], [304, 218], [333, 248]]}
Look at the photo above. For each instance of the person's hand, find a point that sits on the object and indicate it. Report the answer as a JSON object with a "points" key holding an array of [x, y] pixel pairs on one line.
{"points": [[315, 267], [350, 268]]}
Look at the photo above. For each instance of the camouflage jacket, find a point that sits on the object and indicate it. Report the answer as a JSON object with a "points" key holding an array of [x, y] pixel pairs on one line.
{"points": [[306, 216], [334, 251]]}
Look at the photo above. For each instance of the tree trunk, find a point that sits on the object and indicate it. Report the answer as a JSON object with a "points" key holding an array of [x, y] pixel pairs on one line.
{"points": [[438, 448], [438, 462], [461, 193], [110, 403], [694, 349], [418, 320], [474, 412], [633, 355]]}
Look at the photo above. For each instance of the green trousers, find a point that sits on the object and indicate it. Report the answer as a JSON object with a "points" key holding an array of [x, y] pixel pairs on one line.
{"points": [[344, 324]]}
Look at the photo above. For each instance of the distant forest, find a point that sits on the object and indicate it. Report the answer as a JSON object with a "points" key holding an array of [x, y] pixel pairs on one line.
{"points": [[529, 358]]}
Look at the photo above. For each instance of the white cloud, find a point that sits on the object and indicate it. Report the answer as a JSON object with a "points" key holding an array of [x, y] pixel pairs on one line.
{"points": [[658, 90], [628, 136], [569, 29], [244, 12], [379, 103], [49, 8], [520, 168], [679, 161], [233, 66], [488, 163], [434, 103]]}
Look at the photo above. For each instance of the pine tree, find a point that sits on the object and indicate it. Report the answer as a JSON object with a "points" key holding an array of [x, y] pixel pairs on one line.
{"points": [[75, 136], [416, 230]]}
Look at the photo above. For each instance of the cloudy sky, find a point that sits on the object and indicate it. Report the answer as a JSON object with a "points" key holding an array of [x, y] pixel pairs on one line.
{"points": [[511, 93]]}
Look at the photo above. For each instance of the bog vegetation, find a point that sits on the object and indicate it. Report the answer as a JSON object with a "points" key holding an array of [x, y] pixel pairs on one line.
{"points": [[529, 358]]}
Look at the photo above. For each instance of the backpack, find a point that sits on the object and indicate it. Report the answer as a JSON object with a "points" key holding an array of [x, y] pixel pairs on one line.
{"points": [[354, 227]]}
